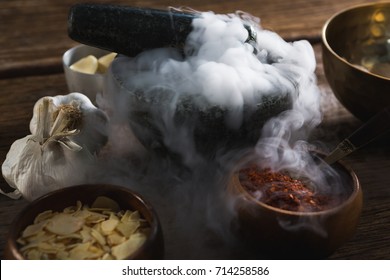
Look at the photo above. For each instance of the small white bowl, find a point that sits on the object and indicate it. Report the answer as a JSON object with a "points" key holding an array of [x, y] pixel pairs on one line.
{"points": [[87, 84]]}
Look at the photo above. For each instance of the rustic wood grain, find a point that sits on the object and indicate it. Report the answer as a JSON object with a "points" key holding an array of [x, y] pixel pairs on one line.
{"points": [[34, 38], [34, 32]]}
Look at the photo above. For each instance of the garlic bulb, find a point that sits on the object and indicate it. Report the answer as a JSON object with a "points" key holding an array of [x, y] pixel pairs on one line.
{"points": [[67, 132]]}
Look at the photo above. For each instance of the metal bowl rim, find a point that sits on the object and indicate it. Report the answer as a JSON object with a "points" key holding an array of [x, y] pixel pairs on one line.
{"points": [[329, 48]]}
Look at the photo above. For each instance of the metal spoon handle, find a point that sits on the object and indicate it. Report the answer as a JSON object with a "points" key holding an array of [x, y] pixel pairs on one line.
{"points": [[375, 127]]}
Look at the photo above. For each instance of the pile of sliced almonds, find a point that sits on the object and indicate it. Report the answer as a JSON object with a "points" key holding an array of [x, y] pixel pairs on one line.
{"points": [[80, 232], [92, 65]]}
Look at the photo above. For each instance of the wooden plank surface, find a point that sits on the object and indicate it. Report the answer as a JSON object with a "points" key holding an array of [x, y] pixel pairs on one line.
{"points": [[34, 32], [34, 38]]}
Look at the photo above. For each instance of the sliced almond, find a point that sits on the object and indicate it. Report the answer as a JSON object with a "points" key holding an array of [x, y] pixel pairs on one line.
{"points": [[108, 226], [64, 224], [127, 248], [80, 232]]}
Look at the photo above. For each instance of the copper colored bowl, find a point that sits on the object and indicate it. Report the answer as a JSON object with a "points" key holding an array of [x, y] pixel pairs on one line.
{"points": [[282, 234], [354, 42], [153, 248]]}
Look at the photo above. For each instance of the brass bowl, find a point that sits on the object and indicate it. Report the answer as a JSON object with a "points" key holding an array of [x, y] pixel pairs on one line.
{"points": [[153, 248], [356, 56], [272, 232]]}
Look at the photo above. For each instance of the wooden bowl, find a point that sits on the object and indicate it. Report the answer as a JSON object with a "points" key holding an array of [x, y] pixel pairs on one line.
{"points": [[282, 234], [153, 248], [354, 41]]}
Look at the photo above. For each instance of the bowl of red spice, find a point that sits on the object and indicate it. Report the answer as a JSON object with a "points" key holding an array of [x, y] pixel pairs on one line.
{"points": [[285, 215]]}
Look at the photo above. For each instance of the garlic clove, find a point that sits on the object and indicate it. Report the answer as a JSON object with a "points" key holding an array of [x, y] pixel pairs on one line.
{"points": [[69, 144], [67, 133], [11, 168], [64, 117], [87, 65], [105, 61]]}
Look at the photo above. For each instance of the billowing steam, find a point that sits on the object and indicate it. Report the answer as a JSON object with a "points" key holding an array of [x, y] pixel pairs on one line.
{"points": [[159, 104]]}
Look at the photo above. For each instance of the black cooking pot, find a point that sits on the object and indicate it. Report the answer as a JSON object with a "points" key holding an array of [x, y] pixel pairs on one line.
{"points": [[165, 119], [162, 118]]}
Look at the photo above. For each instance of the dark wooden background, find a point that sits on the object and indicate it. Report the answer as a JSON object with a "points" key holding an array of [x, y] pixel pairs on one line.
{"points": [[33, 37]]}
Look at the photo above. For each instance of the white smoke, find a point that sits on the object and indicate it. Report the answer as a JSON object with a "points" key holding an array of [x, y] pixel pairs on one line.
{"points": [[217, 69]]}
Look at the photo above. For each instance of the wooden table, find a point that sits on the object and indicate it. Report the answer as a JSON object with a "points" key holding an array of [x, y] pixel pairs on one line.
{"points": [[34, 37]]}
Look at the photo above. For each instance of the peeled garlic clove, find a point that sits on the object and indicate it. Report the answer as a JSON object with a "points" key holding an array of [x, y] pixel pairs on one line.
{"points": [[105, 61], [87, 65]]}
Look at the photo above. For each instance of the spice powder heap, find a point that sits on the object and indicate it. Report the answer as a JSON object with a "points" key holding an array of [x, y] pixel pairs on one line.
{"points": [[280, 190]]}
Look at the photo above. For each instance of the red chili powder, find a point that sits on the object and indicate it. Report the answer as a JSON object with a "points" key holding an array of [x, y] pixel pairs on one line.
{"points": [[280, 190]]}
